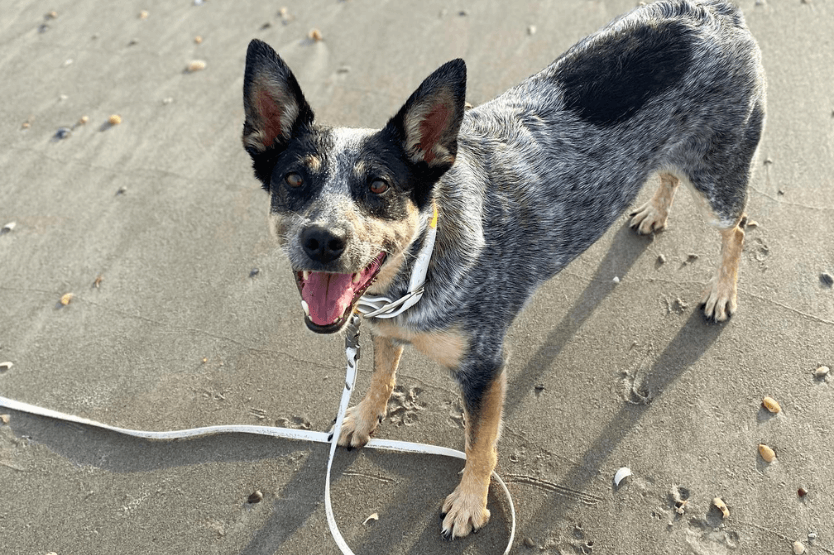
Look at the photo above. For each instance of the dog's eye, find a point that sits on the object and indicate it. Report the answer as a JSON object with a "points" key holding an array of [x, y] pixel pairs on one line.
{"points": [[379, 186], [293, 179]]}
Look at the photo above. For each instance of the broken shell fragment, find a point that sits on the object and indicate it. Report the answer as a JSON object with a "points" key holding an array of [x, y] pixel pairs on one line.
{"points": [[115, 119], [65, 300], [767, 453], [196, 65], [5, 366], [798, 547], [255, 497], [721, 506], [83, 120], [374, 517], [771, 405], [821, 372], [4, 418], [621, 475], [315, 35], [9, 227]]}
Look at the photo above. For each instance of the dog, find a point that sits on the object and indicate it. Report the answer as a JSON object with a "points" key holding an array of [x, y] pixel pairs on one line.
{"points": [[518, 187]]}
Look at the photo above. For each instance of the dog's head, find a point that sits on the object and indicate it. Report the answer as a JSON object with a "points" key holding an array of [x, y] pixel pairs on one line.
{"points": [[345, 204]]}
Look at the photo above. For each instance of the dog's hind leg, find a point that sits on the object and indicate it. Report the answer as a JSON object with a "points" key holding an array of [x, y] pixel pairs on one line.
{"points": [[719, 299], [652, 215], [361, 421]]}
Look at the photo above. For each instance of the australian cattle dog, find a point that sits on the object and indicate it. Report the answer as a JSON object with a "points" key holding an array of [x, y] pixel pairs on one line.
{"points": [[516, 187]]}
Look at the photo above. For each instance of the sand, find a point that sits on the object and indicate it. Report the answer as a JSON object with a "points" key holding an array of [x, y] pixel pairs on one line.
{"points": [[180, 332]]}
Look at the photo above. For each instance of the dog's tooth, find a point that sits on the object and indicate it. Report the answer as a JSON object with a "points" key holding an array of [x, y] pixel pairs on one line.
{"points": [[305, 307], [305, 275], [356, 277]]}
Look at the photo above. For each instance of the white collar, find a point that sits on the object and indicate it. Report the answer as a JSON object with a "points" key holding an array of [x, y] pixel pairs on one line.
{"points": [[383, 307]]}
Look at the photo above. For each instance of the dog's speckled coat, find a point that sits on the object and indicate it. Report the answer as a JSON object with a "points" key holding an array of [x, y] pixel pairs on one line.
{"points": [[523, 184]]}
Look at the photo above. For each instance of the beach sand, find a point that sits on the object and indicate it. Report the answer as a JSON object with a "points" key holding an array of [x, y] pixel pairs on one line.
{"points": [[180, 332]]}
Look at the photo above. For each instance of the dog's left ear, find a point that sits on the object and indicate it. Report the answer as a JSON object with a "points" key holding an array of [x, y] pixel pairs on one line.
{"points": [[428, 123], [272, 100]]}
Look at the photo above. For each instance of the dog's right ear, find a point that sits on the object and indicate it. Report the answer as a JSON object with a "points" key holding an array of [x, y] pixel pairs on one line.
{"points": [[428, 124], [272, 100]]}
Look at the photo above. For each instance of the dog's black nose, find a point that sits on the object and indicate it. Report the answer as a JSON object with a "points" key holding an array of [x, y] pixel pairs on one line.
{"points": [[322, 245]]}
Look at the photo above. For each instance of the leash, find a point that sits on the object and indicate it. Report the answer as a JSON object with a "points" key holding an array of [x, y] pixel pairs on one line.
{"points": [[352, 352]]}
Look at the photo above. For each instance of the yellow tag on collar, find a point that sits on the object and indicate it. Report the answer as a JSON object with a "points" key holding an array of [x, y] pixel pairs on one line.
{"points": [[433, 222]]}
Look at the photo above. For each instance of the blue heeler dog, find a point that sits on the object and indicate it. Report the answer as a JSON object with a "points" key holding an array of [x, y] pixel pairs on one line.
{"points": [[518, 187]]}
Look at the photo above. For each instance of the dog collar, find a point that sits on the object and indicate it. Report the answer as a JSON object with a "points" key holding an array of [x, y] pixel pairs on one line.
{"points": [[383, 307]]}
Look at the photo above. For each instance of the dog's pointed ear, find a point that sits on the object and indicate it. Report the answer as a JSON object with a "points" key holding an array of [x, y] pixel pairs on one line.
{"points": [[428, 123], [272, 100]]}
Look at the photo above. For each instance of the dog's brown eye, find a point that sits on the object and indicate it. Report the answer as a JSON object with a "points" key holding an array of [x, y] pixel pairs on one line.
{"points": [[293, 180], [379, 186]]}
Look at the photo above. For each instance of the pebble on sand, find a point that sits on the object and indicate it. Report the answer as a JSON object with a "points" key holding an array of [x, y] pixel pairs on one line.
{"points": [[115, 119], [66, 299], [315, 35], [196, 65], [771, 405], [767, 453]]}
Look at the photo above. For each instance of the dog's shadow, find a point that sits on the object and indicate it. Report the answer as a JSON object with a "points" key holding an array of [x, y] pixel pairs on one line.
{"points": [[625, 249]]}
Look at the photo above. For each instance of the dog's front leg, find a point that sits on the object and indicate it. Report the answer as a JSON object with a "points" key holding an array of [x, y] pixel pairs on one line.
{"points": [[361, 421], [465, 509]]}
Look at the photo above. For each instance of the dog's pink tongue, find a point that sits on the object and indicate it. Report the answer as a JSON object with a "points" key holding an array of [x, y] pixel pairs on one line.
{"points": [[327, 296]]}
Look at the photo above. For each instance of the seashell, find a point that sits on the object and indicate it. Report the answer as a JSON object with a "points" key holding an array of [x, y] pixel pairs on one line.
{"points": [[65, 300], [767, 453], [83, 120], [771, 405], [9, 227], [4, 418], [315, 35], [721, 506], [798, 547], [822, 372], [374, 517], [198, 39], [115, 119], [196, 65], [255, 497], [621, 475], [143, 14], [5, 366]]}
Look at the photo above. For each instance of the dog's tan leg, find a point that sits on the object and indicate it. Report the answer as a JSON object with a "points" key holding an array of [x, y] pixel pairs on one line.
{"points": [[719, 299], [361, 421], [465, 509], [652, 215]]}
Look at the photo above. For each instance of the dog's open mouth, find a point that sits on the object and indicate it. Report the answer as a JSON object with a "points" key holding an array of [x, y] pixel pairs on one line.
{"points": [[328, 299]]}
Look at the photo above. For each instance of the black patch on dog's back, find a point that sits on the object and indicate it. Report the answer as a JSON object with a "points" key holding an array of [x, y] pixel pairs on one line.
{"points": [[607, 80]]}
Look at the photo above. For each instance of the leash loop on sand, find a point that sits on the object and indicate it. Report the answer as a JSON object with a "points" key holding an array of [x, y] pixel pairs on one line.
{"points": [[352, 352]]}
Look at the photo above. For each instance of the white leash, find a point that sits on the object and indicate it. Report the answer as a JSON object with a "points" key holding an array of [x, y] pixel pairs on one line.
{"points": [[370, 307], [352, 352]]}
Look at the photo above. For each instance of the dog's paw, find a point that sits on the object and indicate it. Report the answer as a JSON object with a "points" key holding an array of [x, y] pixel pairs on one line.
{"points": [[463, 512], [358, 426], [648, 218], [719, 301]]}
